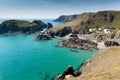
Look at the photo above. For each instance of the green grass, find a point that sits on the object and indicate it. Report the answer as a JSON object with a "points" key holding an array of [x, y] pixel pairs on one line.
{"points": [[96, 18], [19, 23]]}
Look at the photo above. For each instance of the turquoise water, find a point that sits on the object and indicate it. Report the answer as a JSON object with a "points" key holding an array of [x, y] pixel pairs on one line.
{"points": [[23, 58]]}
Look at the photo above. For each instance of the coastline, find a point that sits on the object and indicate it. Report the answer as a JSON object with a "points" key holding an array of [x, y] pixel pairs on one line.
{"points": [[92, 69], [100, 44]]}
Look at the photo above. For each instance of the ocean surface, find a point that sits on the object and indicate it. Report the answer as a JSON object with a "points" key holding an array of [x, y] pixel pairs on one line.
{"points": [[24, 58]]}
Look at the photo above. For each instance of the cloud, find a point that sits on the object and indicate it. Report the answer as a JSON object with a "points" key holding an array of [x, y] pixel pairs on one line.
{"points": [[53, 8]]}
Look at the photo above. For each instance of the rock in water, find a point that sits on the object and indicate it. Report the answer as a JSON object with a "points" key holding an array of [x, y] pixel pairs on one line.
{"points": [[21, 26], [43, 37]]}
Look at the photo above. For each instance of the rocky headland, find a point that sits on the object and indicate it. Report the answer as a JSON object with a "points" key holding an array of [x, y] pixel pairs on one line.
{"points": [[104, 65], [12, 26], [75, 42]]}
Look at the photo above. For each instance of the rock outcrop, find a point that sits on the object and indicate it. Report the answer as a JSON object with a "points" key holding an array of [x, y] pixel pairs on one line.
{"points": [[68, 71], [63, 32], [111, 43], [75, 42], [43, 37], [23, 26], [40, 24], [105, 65]]}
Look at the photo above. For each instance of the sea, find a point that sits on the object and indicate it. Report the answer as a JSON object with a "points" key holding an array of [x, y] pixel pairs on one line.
{"points": [[24, 58]]}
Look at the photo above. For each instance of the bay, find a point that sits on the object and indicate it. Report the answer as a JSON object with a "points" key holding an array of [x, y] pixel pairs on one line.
{"points": [[24, 58]]}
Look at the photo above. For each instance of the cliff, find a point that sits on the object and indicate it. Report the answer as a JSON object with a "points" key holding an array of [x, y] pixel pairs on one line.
{"points": [[83, 22], [66, 18], [103, 66], [23, 26]]}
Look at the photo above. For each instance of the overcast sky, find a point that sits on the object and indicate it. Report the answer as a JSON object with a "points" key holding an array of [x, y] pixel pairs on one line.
{"points": [[53, 8]]}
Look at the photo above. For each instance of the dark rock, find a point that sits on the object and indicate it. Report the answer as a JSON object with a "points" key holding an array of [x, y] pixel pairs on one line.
{"points": [[75, 42], [51, 33], [111, 43], [49, 25], [73, 35], [68, 71], [40, 23], [63, 32], [59, 77], [106, 16], [22, 26], [43, 37], [75, 32], [77, 73]]}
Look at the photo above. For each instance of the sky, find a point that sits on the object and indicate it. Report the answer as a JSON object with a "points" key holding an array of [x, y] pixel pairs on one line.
{"points": [[53, 8]]}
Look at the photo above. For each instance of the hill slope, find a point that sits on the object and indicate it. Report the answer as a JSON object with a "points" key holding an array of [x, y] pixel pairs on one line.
{"points": [[103, 66], [102, 19], [21, 25], [66, 18]]}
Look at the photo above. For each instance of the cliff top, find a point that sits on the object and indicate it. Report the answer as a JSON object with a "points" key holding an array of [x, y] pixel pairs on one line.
{"points": [[103, 66], [101, 19], [18, 23]]}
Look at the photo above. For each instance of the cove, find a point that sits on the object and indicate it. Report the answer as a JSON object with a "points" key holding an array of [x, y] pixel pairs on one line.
{"points": [[23, 58]]}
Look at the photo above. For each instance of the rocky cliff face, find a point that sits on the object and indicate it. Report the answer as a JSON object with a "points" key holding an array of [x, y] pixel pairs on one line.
{"points": [[63, 32], [103, 66], [66, 18], [22, 26]]}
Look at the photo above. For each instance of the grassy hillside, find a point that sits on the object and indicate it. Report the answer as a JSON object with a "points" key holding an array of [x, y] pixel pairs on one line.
{"points": [[18, 23], [104, 66], [102, 19]]}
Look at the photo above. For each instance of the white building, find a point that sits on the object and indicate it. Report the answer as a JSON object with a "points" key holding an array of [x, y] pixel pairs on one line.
{"points": [[107, 31], [92, 30]]}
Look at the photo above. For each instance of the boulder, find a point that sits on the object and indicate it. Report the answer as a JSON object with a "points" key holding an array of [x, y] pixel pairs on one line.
{"points": [[43, 37], [63, 32], [68, 71], [111, 43]]}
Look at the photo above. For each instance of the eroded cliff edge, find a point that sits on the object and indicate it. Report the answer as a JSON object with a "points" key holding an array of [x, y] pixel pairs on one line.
{"points": [[105, 65]]}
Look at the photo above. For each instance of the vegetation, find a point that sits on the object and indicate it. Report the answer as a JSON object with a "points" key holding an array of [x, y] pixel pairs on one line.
{"points": [[102, 19], [18, 23], [103, 66]]}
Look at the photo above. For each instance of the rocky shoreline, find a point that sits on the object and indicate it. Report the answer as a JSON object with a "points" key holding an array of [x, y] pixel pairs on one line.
{"points": [[12, 26], [75, 42]]}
